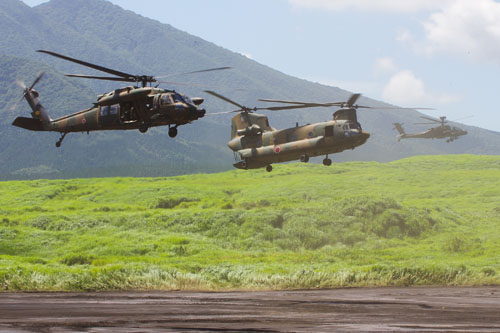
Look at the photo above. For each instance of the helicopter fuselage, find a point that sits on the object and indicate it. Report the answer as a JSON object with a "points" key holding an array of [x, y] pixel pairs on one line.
{"points": [[300, 142], [440, 132], [124, 109]]}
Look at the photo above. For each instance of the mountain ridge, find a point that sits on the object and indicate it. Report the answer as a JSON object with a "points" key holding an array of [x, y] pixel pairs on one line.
{"points": [[75, 28]]}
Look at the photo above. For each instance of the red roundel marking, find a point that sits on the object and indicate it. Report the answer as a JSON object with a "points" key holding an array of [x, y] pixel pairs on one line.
{"points": [[84, 121], [277, 149]]}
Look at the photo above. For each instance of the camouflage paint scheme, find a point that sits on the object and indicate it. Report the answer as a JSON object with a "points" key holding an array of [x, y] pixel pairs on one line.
{"points": [[258, 145], [440, 132], [122, 109]]}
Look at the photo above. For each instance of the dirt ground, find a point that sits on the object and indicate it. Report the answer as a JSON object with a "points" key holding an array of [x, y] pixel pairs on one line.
{"points": [[361, 309]]}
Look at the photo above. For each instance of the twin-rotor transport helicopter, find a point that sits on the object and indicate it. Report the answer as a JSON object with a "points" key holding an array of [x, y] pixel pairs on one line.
{"points": [[254, 142]]}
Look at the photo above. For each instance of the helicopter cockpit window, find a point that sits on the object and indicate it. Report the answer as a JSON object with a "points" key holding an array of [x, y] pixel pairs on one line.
{"points": [[178, 98], [187, 99], [165, 99]]}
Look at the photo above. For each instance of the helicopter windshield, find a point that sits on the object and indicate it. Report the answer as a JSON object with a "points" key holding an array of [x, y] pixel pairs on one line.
{"points": [[178, 98], [188, 100]]}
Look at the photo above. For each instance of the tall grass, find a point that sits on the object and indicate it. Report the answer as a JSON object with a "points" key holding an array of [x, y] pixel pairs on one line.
{"points": [[419, 221]]}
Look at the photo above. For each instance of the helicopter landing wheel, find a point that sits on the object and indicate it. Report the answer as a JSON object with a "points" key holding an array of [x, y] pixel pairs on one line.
{"points": [[304, 158], [269, 168], [327, 162], [172, 132], [143, 127]]}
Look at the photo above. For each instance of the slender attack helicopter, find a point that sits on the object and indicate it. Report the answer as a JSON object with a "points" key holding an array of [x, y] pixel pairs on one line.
{"points": [[125, 108], [256, 144], [440, 132]]}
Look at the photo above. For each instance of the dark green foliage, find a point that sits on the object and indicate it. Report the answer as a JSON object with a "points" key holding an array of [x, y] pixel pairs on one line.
{"points": [[77, 259], [386, 218], [168, 203]]}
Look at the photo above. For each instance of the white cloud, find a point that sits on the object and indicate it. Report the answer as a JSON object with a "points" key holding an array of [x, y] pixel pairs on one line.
{"points": [[464, 27], [402, 6], [405, 89], [384, 65]]}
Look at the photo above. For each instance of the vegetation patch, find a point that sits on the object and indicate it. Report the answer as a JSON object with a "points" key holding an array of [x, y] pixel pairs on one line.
{"points": [[303, 226]]}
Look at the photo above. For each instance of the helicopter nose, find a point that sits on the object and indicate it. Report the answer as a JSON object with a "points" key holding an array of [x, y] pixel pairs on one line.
{"points": [[201, 113], [364, 136]]}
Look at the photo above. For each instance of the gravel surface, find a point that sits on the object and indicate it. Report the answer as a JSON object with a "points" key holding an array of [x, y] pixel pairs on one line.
{"points": [[362, 309]]}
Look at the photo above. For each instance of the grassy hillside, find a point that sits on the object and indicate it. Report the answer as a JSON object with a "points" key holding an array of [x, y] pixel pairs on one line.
{"points": [[422, 220]]}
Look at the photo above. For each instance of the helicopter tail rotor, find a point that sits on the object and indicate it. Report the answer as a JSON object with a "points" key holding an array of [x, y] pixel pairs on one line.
{"points": [[26, 90], [40, 118]]}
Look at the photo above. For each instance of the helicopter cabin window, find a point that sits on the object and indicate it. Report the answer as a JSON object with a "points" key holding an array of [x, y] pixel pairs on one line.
{"points": [[113, 110], [165, 99], [104, 111]]}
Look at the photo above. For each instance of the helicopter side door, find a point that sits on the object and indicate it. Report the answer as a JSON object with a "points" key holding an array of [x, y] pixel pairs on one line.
{"points": [[109, 115]]}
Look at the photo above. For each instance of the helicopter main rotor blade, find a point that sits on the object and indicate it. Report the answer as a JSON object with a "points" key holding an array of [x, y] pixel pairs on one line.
{"points": [[88, 64], [352, 100], [194, 72], [213, 93], [466, 117], [217, 113], [289, 107], [431, 119], [299, 102], [107, 78]]}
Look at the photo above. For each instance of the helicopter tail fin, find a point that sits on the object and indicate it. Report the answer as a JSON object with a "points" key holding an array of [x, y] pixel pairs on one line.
{"points": [[399, 128], [40, 119]]}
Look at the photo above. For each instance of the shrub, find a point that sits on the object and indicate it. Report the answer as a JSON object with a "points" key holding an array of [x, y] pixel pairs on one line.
{"points": [[169, 203], [77, 259]]}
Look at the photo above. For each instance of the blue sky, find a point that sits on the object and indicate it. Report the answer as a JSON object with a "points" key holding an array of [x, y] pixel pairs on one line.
{"points": [[443, 54]]}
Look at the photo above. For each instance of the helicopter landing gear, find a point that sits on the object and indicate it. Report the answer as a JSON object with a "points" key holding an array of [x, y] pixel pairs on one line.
{"points": [[58, 143], [327, 161], [143, 127], [269, 168], [304, 158], [172, 132]]}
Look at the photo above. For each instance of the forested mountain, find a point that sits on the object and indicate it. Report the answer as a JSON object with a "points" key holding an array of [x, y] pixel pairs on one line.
{"points": [[100, 32]]}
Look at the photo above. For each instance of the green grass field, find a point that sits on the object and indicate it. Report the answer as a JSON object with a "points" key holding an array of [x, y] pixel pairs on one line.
{"points": [[419, 221]]}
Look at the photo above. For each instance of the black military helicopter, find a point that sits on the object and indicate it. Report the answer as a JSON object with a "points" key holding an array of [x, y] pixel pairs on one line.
{"points": [[440, 132], [125, 108]]}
